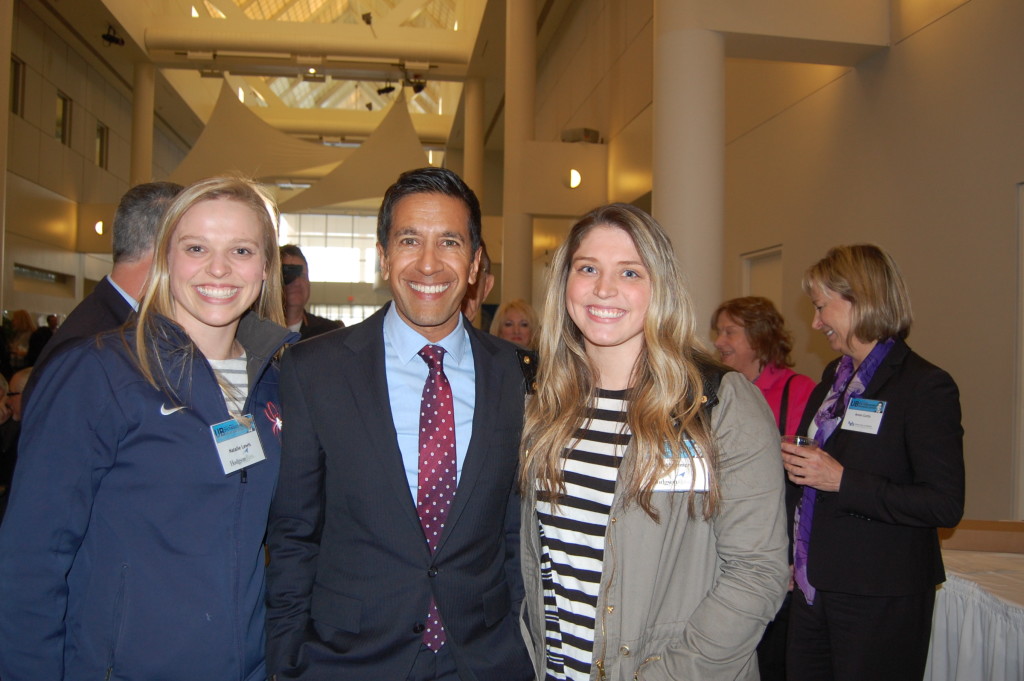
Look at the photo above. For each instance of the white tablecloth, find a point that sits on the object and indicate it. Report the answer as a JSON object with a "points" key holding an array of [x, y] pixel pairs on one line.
{"points": [[978, 626]]}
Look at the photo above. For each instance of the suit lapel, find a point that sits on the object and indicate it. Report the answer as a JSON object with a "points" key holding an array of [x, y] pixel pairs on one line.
{"points": [[887, 369], [370, 381], [488, 385]]}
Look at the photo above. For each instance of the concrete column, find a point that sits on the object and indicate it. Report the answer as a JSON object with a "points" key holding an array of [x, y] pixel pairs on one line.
{"points": [[473, 140], [6, 47], [520, 84], [688, 192], [143, 103]]}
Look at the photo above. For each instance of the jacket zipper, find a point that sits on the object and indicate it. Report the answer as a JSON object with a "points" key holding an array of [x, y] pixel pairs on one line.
{"points": [[610, 551]]}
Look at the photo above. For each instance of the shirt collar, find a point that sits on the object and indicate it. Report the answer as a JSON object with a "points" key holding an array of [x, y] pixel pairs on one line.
{"points": [[407, 342], [124, 294]]}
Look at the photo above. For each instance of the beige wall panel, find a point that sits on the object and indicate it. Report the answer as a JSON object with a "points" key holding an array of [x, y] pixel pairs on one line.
{"points": [[54, 64], [119, 159], [51, 163], [630, 159], [76, 83], [918, 150], [95, 267], [844, 21], [23, 148], [96, 95], [45, 116], [756, 90], [909, 16], [29, 32], [72, 170], [41, 216], [33, 111], [632, 81]]}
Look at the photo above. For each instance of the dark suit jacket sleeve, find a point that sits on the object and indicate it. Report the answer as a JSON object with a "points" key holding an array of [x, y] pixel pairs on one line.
{"points": [[932, 440], [102, 310], [296, 521]]}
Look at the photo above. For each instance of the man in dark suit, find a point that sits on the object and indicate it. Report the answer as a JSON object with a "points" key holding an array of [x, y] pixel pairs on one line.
{"points": [[296, 295], [116, 296], [393, 550]]}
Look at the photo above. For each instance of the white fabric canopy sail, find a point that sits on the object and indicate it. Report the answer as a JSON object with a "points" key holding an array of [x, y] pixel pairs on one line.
{"points": [[237, 141], [393, 148]]}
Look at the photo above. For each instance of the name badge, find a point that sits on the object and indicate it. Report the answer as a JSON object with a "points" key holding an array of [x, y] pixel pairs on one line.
{"points": [[238, 445], [689, 472], [864, 416]]}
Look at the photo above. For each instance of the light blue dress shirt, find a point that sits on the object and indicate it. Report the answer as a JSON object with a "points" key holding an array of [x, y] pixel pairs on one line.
{"points": [[124, 294], [407, 373]]}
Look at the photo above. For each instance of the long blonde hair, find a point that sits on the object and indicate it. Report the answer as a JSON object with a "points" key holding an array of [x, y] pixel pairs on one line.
{"points": [[158, 300], [667, 389]]}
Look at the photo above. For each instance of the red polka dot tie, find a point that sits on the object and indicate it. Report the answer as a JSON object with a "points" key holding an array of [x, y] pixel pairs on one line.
{"points": [[436, 467]]}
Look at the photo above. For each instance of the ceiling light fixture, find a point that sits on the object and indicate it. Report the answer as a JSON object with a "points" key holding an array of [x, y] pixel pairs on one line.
{"points": [[386, 90], [111, 37]]}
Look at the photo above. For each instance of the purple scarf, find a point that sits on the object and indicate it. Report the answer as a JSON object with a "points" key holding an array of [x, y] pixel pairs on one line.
{"points": [[846, 385]]}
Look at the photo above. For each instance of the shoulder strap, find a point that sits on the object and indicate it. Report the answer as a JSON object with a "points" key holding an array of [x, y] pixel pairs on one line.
{"points": [[784, 407]]}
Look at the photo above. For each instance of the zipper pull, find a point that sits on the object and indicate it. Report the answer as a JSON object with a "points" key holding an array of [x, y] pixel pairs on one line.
{"points": [[245, 475]]}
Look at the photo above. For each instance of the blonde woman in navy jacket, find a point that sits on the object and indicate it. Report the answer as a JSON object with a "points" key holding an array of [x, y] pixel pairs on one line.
{"points": [[888, 472], [132, 547]]}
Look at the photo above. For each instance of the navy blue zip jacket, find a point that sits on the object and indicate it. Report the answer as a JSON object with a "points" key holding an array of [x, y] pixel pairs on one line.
{"points": [[126, 552]]}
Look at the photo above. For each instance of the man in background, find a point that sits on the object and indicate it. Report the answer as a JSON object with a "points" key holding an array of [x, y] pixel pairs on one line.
{"points": [[117, 295], [296, 295]]}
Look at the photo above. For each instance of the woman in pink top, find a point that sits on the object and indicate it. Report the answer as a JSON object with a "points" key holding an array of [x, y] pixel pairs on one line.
{"points": [[752, 339]]}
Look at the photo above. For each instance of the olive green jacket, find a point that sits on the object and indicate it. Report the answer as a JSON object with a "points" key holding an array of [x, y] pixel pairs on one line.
{"points": [[687, 598]]}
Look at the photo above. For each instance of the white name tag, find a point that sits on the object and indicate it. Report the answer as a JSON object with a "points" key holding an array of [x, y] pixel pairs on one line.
{"points": [[690, 472], [238, 445], [864, 416]]}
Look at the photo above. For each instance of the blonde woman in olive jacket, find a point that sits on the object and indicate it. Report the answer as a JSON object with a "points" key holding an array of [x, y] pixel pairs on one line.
{"points": [[653, 522]]}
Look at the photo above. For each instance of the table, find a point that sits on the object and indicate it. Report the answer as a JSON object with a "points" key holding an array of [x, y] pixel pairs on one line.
{"points": [[978, 625]]}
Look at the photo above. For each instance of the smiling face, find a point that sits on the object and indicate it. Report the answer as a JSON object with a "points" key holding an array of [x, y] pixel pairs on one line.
{"points": [[429, 262], [733, 346], [216, 267], [833, 316], [607, 295], [516, 328]]}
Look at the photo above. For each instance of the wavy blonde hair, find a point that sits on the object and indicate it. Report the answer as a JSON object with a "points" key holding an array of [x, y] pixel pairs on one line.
{"points": [[667, 390], [158, 300]]}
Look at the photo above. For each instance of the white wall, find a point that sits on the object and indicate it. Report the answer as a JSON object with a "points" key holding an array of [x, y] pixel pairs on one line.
{"points": [[56, 176], [918, 149]]}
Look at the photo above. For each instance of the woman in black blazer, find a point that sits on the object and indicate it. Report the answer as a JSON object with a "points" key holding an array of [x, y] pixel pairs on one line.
{"points": [[887, 472]]}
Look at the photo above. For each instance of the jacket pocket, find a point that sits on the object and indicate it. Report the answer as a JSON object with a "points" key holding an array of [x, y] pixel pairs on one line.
{"points": [[335, 609], [118, 618], [646, 665], [497, 603]]}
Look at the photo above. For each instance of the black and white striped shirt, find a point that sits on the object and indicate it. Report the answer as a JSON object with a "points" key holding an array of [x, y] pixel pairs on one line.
{"points": [[572, 539], [234, 379]]}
